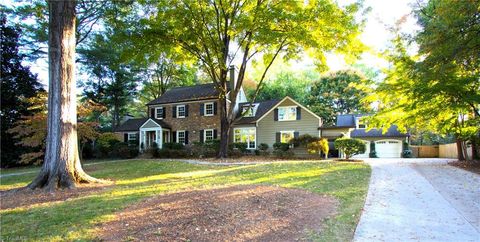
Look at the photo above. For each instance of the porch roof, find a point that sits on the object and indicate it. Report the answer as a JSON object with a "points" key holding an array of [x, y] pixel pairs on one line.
{"points": [[134, 124]]}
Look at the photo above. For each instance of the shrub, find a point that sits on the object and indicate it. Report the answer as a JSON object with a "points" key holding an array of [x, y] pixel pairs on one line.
{"points": [[303, 140], [283, 154], [125, 151], [316, 147], [105, 143], [350, 147], [263, 147], [242, 147], [407, 152], [373, 153], [173, 146], [171, 153], [208, 149], [281, 146]]}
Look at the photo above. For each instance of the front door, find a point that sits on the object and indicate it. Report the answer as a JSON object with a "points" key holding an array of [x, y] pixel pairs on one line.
{"points": [[151, 137]]}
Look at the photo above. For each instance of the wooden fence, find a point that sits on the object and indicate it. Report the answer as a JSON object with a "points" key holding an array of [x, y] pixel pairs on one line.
{"points": [[425, 151], [440, 151]]}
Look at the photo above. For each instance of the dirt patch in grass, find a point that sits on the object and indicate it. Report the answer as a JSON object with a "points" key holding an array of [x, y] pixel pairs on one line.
{"points": [[473, 166], [24, 197], [239, 213]]}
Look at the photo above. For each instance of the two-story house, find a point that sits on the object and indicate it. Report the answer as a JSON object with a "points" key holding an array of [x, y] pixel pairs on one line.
{"points": [[188, 114], [387, 145]]}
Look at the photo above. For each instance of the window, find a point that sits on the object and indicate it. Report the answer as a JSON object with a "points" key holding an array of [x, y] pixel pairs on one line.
{"points": [[287, 113], [208, 134], [249, 111], [159, 113], [132, 136], [209, 109], [181, 136], [286, 136], [181, 111], [245, 135], [361, 124]]}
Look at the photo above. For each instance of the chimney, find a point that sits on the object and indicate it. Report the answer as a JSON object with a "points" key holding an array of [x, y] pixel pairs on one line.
{"points": [[232, 77]]}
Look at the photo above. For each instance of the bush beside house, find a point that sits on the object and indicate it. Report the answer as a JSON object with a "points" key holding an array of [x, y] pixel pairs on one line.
{"points": [[350, 147]]}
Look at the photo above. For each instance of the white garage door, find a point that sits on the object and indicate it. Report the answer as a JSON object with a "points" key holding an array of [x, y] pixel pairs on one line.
{"points": [[388, 148], [367, 151]]}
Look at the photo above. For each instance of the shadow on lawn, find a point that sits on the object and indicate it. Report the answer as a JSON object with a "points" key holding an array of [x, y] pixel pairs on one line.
{"points": [[74, 219]]}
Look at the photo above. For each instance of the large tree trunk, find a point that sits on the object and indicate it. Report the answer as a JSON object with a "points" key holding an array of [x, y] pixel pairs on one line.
{"points": [[62, 167]]}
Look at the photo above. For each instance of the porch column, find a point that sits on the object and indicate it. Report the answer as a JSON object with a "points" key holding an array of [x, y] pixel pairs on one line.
{"points": [[159, 138]]}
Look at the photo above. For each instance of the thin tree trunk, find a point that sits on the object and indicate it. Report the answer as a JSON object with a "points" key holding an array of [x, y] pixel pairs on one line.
{"points": [[459, 150], [62, 167]]}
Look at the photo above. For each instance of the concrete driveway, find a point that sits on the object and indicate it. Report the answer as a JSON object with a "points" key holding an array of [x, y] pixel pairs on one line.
{"points": [[420, 200]]}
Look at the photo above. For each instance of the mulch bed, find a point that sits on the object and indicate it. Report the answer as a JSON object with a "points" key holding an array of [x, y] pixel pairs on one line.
{"points": [[20, 197], [239, 213], [473, 166]]}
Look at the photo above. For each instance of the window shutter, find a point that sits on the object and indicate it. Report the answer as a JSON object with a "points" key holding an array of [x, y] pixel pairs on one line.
{"points": [[202, 111], [214, 108], [137, 136], [201, 135], [174, 137], [277, 137], [164, 112], [125, 137], [152, 113], [214, 134], [186, 110], [186, 137], [174, 111], [295, 135], [275, 115], [299, 113]]}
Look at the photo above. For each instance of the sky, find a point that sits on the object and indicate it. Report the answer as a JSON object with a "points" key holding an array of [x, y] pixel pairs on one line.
{"points": [[383, 14]]}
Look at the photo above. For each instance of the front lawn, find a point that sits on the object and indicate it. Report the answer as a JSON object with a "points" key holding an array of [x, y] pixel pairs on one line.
{"points": [[77, 218]]}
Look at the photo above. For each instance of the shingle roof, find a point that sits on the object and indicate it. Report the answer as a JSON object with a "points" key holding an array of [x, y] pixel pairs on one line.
{"points": [[189, 93], [263, 107], [391, 132], [348, 120], [134, 124]]}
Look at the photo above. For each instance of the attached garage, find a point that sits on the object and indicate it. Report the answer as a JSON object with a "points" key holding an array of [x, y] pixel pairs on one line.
{"points": [[388, 148]]}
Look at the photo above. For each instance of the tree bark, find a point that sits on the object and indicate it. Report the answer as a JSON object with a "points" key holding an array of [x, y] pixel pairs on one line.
{"points": [[61, 167], [224, 129], [460, 155]]}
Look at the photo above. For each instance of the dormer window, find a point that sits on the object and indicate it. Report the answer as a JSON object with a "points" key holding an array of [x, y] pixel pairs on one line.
{"points": [[249, 111], [361, 124]]}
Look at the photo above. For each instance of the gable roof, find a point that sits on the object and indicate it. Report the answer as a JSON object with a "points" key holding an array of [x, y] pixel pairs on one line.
{"points": [[134, 124], [263, 107], [189, 93], [291, 99], [348, 121]]}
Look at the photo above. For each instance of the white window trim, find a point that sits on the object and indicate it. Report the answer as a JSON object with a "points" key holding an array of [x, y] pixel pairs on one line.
{"points": [[205, 109], [156, 112], [130, 133], [285, 132], [177, 136], [205, 134], [286, 107], [184, 111], [358, 123], [255, 140]]}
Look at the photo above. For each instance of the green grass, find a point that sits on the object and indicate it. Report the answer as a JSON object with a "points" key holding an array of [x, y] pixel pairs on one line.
{"points": [[76, 219]]}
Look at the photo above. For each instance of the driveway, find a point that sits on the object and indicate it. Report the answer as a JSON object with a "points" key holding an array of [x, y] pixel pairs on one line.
{"points": [[420, 200]]}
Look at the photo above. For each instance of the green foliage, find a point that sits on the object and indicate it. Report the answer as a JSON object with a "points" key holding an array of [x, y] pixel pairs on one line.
{"points": [[281, 146], [208, 148], [315, 147], [437, 90], [373, 153], [350, 147], [337, 93], [241, 146], [303, 140], [174, 146], [106, 143], [263, 146], [18, 87], [124, 151]]}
